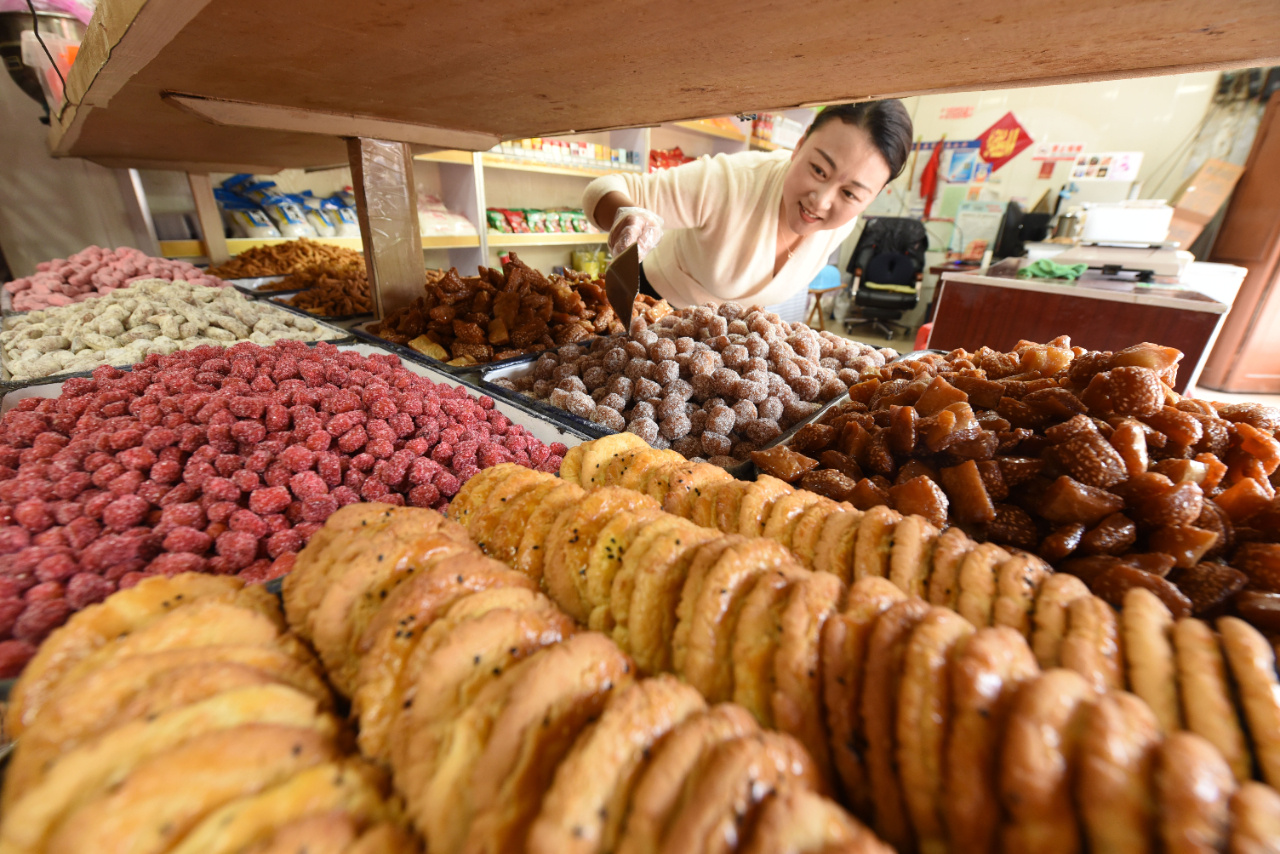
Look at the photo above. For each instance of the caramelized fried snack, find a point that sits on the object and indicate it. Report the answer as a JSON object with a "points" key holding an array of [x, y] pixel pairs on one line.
{"points": [[1255, 819], [797, 665], [386, 647], [720, 578], [1207, 706], [1147, 624], [783, 463], [585, 806], [657, 792], [1051, 615], [726, 789], [924, 720], [985, 679], [796, 821], [844, 646], [1091, 646], [1253, 666], [1041, 746], [885, 652], [756, 639], [96, 626], [1114, 791], [1193, 795]]}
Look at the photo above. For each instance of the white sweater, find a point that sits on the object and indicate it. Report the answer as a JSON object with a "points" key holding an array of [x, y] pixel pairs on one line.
{"points": [[721, 239]]}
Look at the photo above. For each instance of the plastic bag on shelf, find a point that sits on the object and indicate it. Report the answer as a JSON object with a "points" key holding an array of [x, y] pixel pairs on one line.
{"points": [[81, 10]]}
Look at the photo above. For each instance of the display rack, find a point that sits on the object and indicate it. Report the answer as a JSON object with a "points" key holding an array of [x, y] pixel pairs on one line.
{"points": [[212, 86], [236, 245]]}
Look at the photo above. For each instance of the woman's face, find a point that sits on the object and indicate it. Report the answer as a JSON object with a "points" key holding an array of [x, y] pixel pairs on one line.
{"points": [[834, 175]]}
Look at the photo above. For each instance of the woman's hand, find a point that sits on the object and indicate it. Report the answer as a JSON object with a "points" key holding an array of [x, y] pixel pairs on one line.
{"points": [[634, 226]]}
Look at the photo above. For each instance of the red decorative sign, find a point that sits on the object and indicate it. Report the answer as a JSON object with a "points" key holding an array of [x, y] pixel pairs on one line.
{"points": [[956, 112], [1003, 141]]}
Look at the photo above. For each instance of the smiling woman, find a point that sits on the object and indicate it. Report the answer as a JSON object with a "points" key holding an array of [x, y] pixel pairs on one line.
{"points": [[754, 227]]}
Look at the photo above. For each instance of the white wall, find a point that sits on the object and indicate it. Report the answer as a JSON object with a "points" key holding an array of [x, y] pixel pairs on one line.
{"points": [[50, 208], [1156, 115]]}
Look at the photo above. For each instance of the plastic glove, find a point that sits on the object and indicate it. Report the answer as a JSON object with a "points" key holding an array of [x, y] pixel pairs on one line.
{"points": [[637, 226]]}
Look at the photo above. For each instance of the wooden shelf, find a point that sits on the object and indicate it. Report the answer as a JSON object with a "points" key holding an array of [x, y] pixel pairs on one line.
{"points": [[707, 129], [236, 245], [521, 164], [500, 239], [461, 157], [213, 85], [765, 145]]}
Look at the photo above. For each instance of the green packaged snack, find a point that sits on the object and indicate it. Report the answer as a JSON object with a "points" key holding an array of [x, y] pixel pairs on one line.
{"points": [[537, 221], [566, 221], [579, 222], [498, 221], [553, 222]]}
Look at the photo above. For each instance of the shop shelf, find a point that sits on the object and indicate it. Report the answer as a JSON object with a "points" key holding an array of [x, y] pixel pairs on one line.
{"points": [[236, 245], [497, 239], [708, 129], [523, 164]]}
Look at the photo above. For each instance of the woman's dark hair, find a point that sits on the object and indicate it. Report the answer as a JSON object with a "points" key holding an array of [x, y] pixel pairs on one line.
{"points": [[887, 122]]}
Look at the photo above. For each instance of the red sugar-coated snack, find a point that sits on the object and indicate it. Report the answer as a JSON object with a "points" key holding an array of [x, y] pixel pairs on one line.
{"points": [[13, 539], [40, 618], [282, 542], [297, 458], [306, 529], [152, 492], [269, 500], [33, 515], [318, 509], [44, 591], [125, 512], [373, 490], [14, 655], [126, 484], [222, 460], [345, 495], [81, 532], [237, 547], [166, 471], [248, 522], [187, 540], [10, 609], [57, 567], [307, 484], [131, 579], [137, 459], [171, 564], [246, 481], [228, 464], [277, 475], [221, 489], [85, 589], [221, 511]]}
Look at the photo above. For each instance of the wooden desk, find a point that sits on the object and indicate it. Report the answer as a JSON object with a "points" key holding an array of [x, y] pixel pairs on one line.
{"points": [[997, 310]]}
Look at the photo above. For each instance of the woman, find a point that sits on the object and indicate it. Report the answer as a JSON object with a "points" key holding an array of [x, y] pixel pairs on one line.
{"points": [[754, 227]]}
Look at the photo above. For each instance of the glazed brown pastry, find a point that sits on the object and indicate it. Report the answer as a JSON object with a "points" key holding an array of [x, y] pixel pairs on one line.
{"points": [[1089, 459]]}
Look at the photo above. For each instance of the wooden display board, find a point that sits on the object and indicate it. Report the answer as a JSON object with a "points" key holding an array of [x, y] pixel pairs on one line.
{"points": [[235, 83]]}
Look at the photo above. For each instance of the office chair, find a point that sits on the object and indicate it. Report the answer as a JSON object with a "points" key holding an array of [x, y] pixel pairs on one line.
{"points": [[888, 267]]}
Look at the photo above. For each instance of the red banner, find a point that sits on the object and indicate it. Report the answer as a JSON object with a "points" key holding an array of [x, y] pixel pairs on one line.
{"points": [[1003, 141]]}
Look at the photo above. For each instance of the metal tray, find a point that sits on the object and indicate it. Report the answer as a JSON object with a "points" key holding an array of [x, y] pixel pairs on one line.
{"points": [[278, 298], [471, 372], [340, 336], [745, 470], [253, 287], [543, 429]]}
